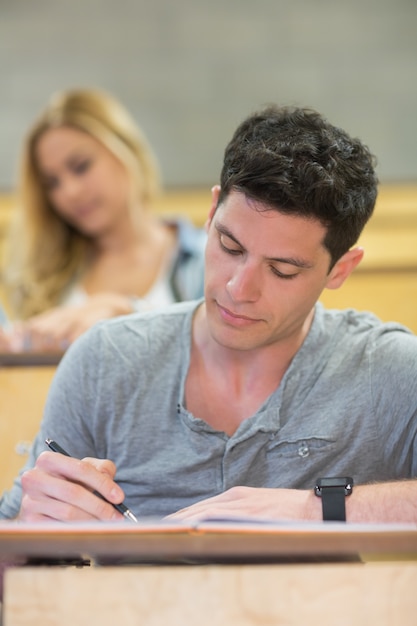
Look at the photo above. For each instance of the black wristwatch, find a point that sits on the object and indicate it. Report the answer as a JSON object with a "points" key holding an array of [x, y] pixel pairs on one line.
{"points": [[333, 492]]}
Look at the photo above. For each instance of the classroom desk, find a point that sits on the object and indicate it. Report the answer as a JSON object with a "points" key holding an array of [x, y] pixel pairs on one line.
{"points": [[266, 595], [23, 391], [214, 574]]}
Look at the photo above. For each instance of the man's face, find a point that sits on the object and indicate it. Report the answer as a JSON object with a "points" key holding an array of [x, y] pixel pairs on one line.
{"points": [[264, 273]]}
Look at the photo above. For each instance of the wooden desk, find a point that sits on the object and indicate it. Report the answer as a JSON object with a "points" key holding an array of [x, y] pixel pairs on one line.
{"points": [[23, 392], [382, 594], [211, 594]]}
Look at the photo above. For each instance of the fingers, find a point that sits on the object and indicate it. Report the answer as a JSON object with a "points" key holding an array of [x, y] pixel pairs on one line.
{"points": [[52, 330], [4, 341], [33, 336], [253, 503], [57, 328], [232, 504], [60, 488], [12, 338]]}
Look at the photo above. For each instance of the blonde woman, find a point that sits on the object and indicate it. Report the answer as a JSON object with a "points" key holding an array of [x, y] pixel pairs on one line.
{"points": [[85, 245]]}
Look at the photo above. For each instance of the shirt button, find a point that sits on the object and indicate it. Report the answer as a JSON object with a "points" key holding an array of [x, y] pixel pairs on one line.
{"points": [[303, 450]]}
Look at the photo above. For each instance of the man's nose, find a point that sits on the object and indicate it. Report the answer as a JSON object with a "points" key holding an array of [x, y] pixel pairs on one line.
{"points": [[246, 283]]}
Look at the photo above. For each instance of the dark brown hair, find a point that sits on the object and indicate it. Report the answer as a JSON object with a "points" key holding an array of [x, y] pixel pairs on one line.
{"points": [[293, 160]]}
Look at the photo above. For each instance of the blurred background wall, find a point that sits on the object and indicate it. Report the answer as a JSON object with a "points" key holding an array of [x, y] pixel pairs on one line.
{"points": [[190, 70]]}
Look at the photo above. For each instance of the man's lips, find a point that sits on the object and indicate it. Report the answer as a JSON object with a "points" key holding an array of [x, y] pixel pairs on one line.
{"points": [[235, 318]]}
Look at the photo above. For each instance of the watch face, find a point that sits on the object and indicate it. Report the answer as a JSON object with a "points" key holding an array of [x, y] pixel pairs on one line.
{"points": [[346, 482], [333, 482]]}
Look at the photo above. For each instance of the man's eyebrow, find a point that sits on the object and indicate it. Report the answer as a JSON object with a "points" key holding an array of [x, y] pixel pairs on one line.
{"points": [[296, 262], [292, 261], [223, 230]]}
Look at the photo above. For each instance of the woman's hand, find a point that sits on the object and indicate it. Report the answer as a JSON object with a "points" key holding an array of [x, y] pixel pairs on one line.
{"points": [[5, 340], [55, 329]]}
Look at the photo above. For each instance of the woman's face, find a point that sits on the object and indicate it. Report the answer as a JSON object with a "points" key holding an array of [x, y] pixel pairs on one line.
{"points": [[86, 184]]}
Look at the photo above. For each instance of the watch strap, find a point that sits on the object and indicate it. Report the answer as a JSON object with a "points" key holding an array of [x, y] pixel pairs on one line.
{"points": [[333, 504]]}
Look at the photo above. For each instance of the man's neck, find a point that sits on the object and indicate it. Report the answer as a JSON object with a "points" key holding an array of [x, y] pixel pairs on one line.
{"points": [[225, 386], [242, 365]]}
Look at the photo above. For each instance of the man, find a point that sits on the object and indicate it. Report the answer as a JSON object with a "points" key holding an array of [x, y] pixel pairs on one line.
{"points": [[239, 404]]}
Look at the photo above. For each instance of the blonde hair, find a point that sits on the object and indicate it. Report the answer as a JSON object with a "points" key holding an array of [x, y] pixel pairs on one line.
{"points": [[44, 254]]}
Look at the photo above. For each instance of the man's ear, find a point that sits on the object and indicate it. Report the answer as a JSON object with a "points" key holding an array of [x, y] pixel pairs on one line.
{"points": [[344, 267], [215, 192]]}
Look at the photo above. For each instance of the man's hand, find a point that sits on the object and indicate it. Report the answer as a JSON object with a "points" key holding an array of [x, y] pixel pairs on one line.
{"points": [[251, 502], [60, 488], [392, 502]]}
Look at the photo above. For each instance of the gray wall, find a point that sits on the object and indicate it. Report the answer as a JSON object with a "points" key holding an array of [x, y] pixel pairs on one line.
{"points": [[191, 70]]}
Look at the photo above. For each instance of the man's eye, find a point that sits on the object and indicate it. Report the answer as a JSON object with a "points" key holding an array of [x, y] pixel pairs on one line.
{"points": [[281, 275], [228, 248]]}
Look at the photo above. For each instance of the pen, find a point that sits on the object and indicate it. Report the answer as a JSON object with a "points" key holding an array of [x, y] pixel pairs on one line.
{"points": [[122, 508]]}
